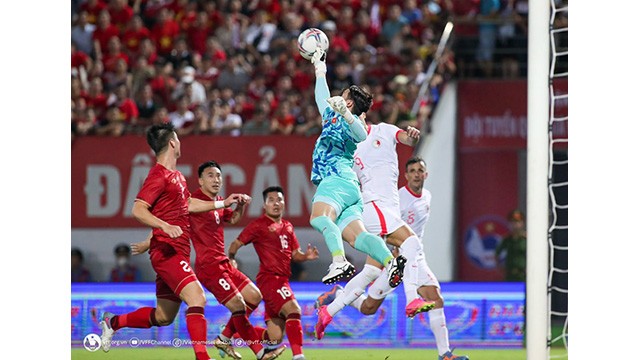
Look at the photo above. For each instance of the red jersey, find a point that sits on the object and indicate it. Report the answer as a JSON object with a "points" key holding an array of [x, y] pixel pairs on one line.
{"points": [[274, 244], [207, 232], [166, 193]]}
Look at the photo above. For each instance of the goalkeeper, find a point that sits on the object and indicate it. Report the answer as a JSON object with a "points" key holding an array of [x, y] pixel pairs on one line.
{"points": [[337, 204]]}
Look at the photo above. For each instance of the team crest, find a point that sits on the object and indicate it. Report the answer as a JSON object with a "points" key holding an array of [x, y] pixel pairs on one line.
{"points": [[377, 143], [272, 228], [334, 120], [289, 228]]}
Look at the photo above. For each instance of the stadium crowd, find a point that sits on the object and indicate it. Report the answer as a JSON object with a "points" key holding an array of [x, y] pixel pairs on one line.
{"points": [[232, 67]]}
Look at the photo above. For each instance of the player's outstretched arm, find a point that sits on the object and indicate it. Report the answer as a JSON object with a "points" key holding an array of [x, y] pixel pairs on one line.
{"points": [[410, 137], [197, 205], [310, 254], [322, 89], [241, 206], [233, 250]]}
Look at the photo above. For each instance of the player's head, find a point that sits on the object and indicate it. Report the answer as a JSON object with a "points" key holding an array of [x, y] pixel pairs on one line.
{"points": [[210, 177], [273, 201], [76, 257], [416, 172], [358, 99], [163, 137]]}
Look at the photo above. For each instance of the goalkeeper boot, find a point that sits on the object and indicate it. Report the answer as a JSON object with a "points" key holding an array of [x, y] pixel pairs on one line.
{"points": [[324, 319], [337, 271], [417, 306], [327, 297], [107, 331], [224, 347], [449, 356], [396, 270]]}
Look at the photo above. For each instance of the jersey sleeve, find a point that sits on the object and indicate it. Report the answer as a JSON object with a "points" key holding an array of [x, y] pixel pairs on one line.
{"points": [[152, 188], [248, 234]]}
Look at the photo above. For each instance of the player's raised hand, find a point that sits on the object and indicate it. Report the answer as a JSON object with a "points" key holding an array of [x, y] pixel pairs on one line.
{"points": [[338, 104], [312, 252], [318, 62], [413, 132], [173, 231], [232, 199], [244, 199]]}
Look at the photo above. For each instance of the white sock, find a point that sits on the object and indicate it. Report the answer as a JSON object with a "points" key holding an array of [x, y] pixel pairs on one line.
{"points": [[300, 356], [339, 258], [380, 288], [438, 326], [354, 288], [357, 303], [411, 249], [410, 291]]}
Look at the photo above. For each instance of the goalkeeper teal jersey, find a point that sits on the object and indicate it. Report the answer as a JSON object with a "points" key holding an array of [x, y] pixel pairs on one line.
{"points": [[334, 149]]}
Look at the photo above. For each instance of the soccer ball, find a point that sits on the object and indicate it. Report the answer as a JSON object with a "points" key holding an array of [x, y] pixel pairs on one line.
{"points": [[309, 40]]}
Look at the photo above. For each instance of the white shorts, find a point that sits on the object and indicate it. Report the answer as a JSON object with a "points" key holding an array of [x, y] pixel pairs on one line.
{"points": [[381, 220]]}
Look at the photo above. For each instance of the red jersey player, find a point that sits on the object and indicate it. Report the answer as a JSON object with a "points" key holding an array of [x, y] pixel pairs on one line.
{"points": [[163, 204], [276, 245], [230, 287]]}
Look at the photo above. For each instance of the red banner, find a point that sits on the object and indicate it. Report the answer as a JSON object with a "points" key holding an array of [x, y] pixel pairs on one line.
{"points": [[492, 123], [492, 114], [107, 173]]}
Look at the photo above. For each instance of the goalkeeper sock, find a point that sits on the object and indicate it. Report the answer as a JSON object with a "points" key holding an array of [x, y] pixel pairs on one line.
{"points": [[373, 246], [331, 233]]}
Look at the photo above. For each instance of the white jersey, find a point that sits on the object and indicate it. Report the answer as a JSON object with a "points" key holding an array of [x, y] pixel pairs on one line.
{"points": [[376, 164], [415, 209]]}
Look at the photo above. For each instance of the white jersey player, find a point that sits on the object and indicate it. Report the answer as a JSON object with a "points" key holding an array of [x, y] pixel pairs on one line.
{"points": [[376, 165], [415, 209]]}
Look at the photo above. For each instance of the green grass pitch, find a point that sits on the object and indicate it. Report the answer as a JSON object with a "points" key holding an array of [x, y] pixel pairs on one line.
{"points": [[167, 353]]}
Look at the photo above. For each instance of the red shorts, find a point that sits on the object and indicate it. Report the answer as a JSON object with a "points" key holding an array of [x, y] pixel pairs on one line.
{"points": [[173, 273], [276, 292], [222, 280]]}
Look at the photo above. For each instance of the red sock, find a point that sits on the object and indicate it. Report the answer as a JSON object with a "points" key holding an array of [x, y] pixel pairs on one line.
{"points": [[246, 330], [262, 333], [142, 318], [293, 328], [197, 327], [230, 329]]}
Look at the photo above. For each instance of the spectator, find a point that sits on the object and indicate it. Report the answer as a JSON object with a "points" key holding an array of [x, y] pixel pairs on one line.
{"points": [[124, 270], [121, 13], [164, 32], [283, 121], [119, 76], [260, 122], [104, 31], [182, 118], [487, 35], [133, 34], [259, 34], [147, 106], [112, 124], [225, 122], [393, 24], [309, 122], [514, 247], [197, 33], [82, 33], [79, 273], [180, 56], [198, 92], [93, 8]]}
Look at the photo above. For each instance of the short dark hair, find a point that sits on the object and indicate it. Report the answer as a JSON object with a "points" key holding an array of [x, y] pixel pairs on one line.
{"points": [[413, 160], [271, 189], [77, 252], [158, 136], [362, 99], [207, 164], [122, 249]]}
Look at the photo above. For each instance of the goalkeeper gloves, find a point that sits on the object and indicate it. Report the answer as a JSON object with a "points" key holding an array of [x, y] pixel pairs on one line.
{"points": [[339, 105], [317, 60]]}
